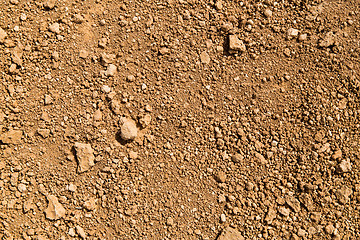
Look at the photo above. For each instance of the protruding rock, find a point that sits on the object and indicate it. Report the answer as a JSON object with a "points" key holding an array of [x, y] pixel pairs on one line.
{"points": [[55, 210], [11, 137], [90, 204], [344, 166], [292, 33], [111, 70], [230, 233], [84, 156], [3, 35], [235, 44], [128, 130], [328, 40], [220, 177], [55, 28], [205, 58]]}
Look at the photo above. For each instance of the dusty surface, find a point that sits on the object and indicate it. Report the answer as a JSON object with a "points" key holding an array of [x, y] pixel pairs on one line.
{"points": [[179, 119]]}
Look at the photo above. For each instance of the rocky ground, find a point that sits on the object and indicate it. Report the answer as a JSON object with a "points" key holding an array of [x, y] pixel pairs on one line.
{"points": [[179, 119]]}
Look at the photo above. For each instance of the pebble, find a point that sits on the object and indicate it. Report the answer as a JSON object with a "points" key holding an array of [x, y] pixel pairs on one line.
{"points": [[302, 37], [130, 78], [81, 232], [55, 28], [292, 32], [48, 100], [271, 215], [102, 42], [54, 210], [343, 194], [220, 177], [84, 156], [205, 58], [344, 166], [145, 120], [83, 53], [222, 198], [222, 218], [111, 70], [71, 232], [106, 89], [268, 13], [50, 4], [260, 158], [237, 158], [230, 233], [72, 187], [22, 187], [328, 40], [284, 211], [170, 221], [337, 154], [78, 18], [128, 130], [90, 204], [235, 44], [11, 137], [219, 5], [44, 133], [97, 115], [293, 203]]}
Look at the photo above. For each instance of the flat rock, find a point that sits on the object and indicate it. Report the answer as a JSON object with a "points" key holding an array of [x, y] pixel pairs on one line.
{"points": [[235, 44], [84, 156], [3, 35], [128, 130], [55, 210], [11, 137], [230, 233]]}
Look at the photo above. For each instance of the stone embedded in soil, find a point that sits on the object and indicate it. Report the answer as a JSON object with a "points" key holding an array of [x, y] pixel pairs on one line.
{"points": [[343, 194], [84, 156], [55, 210], [204, 57], [337, 154], [344, 166], [128, 129], [3, 35], [111, 70], [44, 133], [235, 44], [81, 232], [48, 100], [268, 13], [230, 233], [11, 137], [220, 177], [292, 32], [90, 204], [237, 157], [260, 158], [271, 215], [55, 28], [293, 203], [328, 40], [145, 120]]}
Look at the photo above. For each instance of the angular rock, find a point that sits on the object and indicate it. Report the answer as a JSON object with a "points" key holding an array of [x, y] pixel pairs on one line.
{"points": [[111, 70], [260, 158], [235, 44], [230, 233], [128, 130], [11, 137], [45, 133], [81, 232], [204, 57], [293, 203], [271, 215], [55, 210], [344, 166], [343, 194], [90, 204], [84, 156], [3, 35], [292, 32], [328, 40], [55, 28], [220, 177], [307, 201]]}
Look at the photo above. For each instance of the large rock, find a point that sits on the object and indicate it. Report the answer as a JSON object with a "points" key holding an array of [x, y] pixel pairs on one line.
{"points": [[128, 129], [55, 210], [230, 233], [84, 156], [11, 137]]}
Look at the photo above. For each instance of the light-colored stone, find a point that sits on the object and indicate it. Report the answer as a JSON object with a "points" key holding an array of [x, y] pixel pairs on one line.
{"points": [[292, 32], [235, 44], [54, 210], [90, 204], [111, 70], [204, 57], [344, 166], [11, 137], [84, 156], [81, 232], [268, 13], [230, 233], [55, 28], [128, 130], [3, 35]]}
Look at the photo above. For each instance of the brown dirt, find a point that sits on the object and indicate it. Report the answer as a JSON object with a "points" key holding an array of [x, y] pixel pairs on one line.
{"points": [[179, 119]]}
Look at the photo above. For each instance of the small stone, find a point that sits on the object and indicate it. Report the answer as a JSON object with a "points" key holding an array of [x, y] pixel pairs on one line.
{"points": [[130, 78], [78, 18], [260, 158], [205, 58], [293, 203], [329, 229], [90, 204], [44, 133], [170, 221], [344, 166], [22, 187], [337, 154], [219, 5], [222, 218], [268, 13], [271, 215], [48, 100], [106, 89], [84, 156], [97, 115], [12, 68], [131, 210], [55, 28], [50, 4], [343, 194], [11, 137], [292, 32], [222, 198], [3, 35], [328, 40], [302, 37], [230, 233], [81, 232], [83, 54], [235, 44], [71, 232], [72, 187], [220, 177], [284, 211], [102, 42], [128, 130], [237, 158], [145, 120], [164, 51], [54, 210], [111, 70], [28, 205], [133, 155]]}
